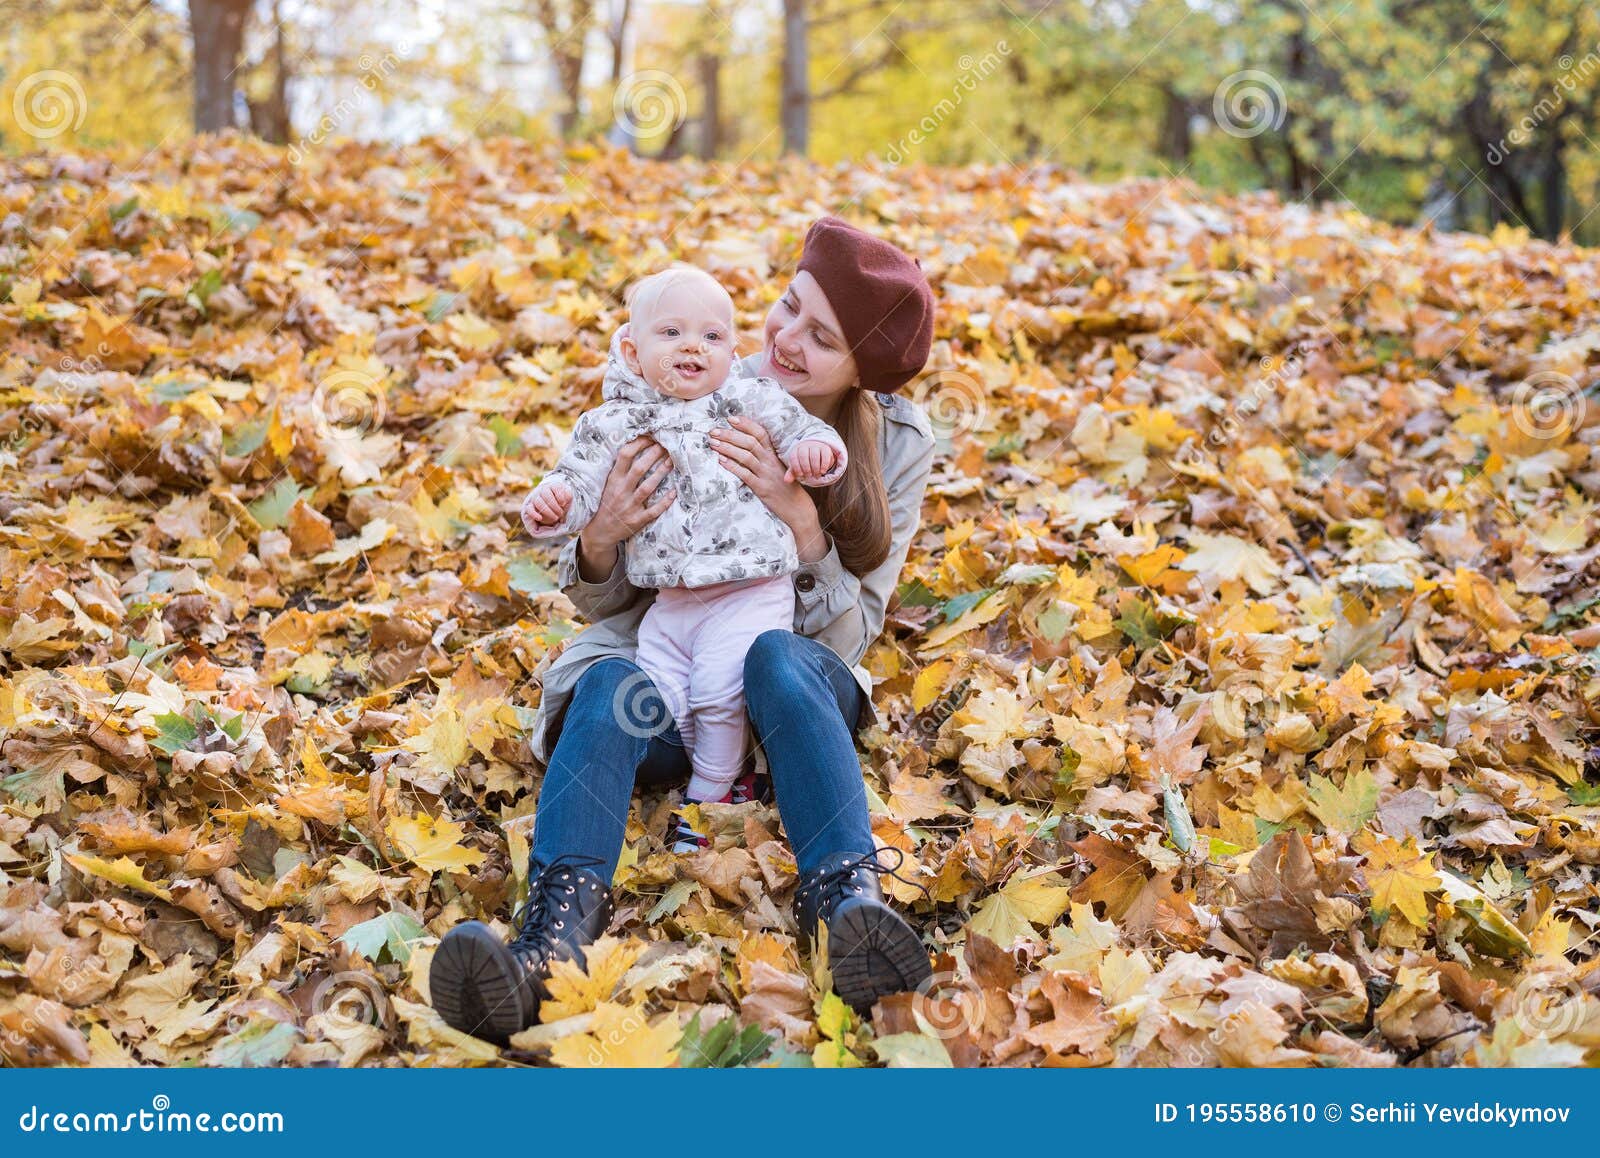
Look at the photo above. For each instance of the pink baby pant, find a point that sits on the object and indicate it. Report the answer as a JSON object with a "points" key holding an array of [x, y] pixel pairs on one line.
{"points": [[692, 645]]}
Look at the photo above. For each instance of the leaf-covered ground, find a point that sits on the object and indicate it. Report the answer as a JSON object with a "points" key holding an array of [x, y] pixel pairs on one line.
{"points": [[1239, 704]]}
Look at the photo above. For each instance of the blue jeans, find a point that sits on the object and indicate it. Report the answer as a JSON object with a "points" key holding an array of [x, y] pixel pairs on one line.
{"points": [[615, 732]]}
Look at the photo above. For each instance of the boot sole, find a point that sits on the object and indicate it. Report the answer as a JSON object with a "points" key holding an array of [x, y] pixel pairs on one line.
{"points": [[873, 952], [476, 984]]}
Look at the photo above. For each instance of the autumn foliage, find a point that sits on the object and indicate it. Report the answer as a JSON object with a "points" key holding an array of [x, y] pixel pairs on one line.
{"points": [[1238, 706]]}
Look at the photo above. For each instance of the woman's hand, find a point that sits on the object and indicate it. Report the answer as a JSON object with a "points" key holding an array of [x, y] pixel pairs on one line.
{"points": [[746, 450], [625, 508]]}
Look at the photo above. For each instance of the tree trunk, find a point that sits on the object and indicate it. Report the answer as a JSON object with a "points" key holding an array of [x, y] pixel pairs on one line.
{"points": [[269, 119], [710, 104], [569, 76], [1176, 140], [618, 34], [217, 30], [1553, 185], [796, 79], [1027, 136]]}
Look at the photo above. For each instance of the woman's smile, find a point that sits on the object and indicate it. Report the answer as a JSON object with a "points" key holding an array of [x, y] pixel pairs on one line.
{"points": [[787, 366]]}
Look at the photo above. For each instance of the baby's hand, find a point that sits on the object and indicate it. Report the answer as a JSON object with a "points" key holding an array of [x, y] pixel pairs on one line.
{"points": [[548, 506], [811, 461]]}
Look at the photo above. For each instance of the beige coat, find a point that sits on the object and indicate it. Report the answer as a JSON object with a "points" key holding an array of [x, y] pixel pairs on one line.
{"points": [[831, 605]]}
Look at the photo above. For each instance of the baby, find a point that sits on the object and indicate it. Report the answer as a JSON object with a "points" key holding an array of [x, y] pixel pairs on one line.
{"points": [[720, 559]]}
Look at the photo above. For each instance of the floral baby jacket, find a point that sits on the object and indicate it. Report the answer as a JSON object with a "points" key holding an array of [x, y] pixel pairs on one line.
{"points": [[716, 529]]}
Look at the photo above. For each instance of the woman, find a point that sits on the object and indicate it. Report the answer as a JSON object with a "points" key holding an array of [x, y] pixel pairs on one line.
{"points": [[854, 326]]}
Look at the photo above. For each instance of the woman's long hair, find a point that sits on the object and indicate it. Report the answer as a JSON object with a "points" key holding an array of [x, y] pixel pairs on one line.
{"points": [[855, 510]]}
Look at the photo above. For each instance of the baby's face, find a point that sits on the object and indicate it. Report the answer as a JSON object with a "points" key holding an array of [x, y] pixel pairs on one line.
{"points": [[684, 346]]}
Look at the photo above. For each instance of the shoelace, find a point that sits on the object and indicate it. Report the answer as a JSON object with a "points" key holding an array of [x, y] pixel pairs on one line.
{"points": [[539, 910], [836, 880]]}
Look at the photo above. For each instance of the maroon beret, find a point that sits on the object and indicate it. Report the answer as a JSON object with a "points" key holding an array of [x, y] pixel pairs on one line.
{"points": [[882, 299]]}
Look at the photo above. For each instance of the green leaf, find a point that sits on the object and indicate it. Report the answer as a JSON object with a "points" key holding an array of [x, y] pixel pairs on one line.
{"points": [[262, 1042], [507, 438], [271, 510], [1004, 447], [1584, 794], [1180, 826], [237, 220], [1348, 807], [917, 594], [247, 437], [118, 212], [174, 733], [210, 282], [919, 1051], [1067, 774], [388, 933], [175, 391], [1054, 621], [1145, 626], [955, 608], [438, 306], [41, 785], [723, 1046], [671, 901], [530, 577]]}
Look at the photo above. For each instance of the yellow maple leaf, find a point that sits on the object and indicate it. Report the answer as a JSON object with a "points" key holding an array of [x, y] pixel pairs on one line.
{"points": [[1399, 875], [993, 717], [929, 684], [1159, 428], [471, 333], [1011, 913], [620, 1036], [123, 871], [442, 742], [578, 988], [431, 843], [1152, 568]]}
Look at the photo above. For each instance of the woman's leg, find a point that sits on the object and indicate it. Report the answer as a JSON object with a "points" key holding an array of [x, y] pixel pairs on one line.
{"points": [[616, 727], [805, 703]]}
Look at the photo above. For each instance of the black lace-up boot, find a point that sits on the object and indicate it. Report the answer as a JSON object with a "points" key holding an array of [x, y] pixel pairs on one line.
{"points": [[872, 951], [490, 988]]}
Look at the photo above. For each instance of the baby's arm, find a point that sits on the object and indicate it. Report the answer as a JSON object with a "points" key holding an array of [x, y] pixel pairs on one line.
{"points": [[808, 446], [567, 498]]}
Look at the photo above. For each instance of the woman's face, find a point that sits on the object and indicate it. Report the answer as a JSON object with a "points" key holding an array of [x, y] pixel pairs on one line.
{"points": [[803, 345]]}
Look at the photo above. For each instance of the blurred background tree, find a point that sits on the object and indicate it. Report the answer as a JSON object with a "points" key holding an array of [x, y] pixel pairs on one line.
{"points": [[1471, 113]]}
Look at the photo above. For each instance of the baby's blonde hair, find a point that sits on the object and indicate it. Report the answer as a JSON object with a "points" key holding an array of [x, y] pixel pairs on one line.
{"points": [[643, 295]]}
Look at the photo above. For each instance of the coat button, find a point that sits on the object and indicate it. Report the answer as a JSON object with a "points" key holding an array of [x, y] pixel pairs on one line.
{"points": [[805, 582]]}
